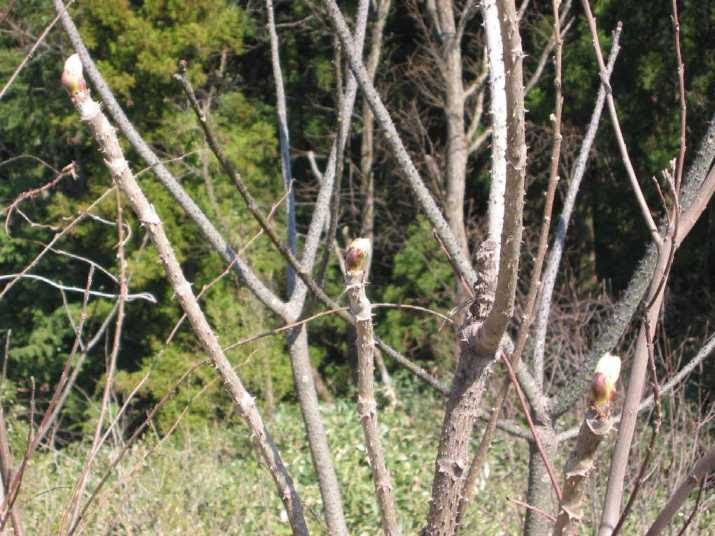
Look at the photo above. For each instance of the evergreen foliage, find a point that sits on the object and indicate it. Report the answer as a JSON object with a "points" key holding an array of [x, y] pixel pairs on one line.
{"points": [[137, 46]]}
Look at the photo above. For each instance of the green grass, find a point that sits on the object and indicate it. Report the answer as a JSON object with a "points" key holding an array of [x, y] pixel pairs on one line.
{"points": [[207, 481]]}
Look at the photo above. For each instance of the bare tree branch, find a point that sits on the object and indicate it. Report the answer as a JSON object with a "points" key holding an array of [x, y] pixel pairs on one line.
{"points": [[214, 237], [421, 192], [645, 211], [360, 307], [498, 111], [705, 465], [557, 247], [697, 188], [90, 112], [284, 137]]}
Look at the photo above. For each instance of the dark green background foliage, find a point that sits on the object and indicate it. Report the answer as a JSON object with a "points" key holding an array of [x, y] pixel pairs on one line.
{"points": [[137, 46]]}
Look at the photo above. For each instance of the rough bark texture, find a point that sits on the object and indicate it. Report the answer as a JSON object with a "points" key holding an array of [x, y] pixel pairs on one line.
{"points": [[106, 138], [579, 465], [497, 108], [496, 322], [462, 407], [366, 405], [456, 139], [540, 493], [315, 430]]}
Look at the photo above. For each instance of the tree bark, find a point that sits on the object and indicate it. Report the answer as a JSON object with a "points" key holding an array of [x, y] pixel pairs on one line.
{"points": [[315, 430], [361, 309], [105, 136], [462, 407], [579, 465], [454, 111], [540, 493]]}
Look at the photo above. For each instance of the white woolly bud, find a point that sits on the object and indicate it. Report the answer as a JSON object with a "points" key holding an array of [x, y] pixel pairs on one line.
{"points": [[357, 253], [72, 75], [610, 366]]}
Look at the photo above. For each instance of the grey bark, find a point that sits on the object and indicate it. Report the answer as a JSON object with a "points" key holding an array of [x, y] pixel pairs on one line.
{"points": [[284, 137], [404, 161], [540, 493], [579, 465], [462, 406], [553, 260], [105, 136], [361, 309], [315, 429]]}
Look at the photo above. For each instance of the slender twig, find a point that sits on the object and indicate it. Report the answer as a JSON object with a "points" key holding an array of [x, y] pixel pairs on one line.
{"points": [[70, 516], [284, 137], [537, 441], [68, 170], [129, 298], [86, 260], [681, 95], [105, 135], [533, 509], [305, 320], [645, 211], [82, 215], [27, 57], [226, 270], [334, 213]]}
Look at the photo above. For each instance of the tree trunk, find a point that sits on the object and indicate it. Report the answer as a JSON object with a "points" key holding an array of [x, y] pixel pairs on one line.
{"points": [[540, 494], [317, 439]]}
